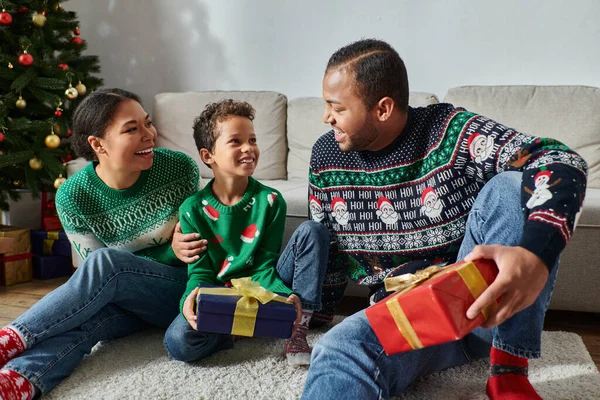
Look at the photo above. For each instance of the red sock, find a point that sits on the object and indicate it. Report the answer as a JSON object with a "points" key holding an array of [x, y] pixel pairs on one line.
{"points": [[14, 386], [508, 378], [11, 345]]}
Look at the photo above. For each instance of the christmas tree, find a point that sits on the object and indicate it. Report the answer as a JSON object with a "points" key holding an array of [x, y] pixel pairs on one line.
{"points": [[43, 76]]}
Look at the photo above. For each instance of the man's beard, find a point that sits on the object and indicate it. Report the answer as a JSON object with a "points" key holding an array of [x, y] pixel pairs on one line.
{"points": [[362, 139]]}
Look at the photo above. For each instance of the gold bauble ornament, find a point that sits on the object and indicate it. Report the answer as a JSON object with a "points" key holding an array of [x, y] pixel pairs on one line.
{"points": [[35, 164], [52, 141], [21, 103], [17, 183], [39, 20], [71, 93], [81, 89], [59, 181]]}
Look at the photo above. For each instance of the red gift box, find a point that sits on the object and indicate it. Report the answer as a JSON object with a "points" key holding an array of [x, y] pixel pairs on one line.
{"points": [[431, 305]]}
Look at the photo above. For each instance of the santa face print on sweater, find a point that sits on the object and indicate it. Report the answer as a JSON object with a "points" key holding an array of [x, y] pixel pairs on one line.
{"points": [[386, 212], [316, 209], [432, 205], [541, 193], [480, 147], [340, 211]]}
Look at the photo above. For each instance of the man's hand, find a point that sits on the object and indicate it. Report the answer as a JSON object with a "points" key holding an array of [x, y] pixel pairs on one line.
{"points": [[522, 276], [188, 309], [187, 246], [298, 305]]}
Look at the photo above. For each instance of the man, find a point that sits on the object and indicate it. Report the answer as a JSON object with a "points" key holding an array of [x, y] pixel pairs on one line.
{"points": [[459, 184]]}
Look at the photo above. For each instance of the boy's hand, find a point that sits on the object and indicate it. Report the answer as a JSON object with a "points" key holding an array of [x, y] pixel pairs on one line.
{"points": [[188, 309], [187, 246], [521, 277], [298, 305]]}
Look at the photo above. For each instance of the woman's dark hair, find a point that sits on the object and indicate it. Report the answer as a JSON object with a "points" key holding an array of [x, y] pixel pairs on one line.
{"points": [[93, 115], [378, 71], [205, 125]]}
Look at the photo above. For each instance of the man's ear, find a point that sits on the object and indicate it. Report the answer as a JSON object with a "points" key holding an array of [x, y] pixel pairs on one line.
{"points": [[206, 156], [384, 108], [96, 144]]}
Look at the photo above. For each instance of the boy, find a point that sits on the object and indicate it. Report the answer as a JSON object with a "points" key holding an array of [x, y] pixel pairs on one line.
{"points": [[243, 221]]}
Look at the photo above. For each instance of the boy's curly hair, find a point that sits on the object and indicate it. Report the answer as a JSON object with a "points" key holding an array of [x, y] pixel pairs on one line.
{"points": [[205, 125]]}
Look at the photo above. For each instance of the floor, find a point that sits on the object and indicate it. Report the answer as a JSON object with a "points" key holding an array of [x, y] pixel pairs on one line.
{"points": [[15, 300]]}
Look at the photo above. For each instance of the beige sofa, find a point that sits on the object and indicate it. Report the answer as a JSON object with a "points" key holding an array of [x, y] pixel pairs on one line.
{"points": [[286, 131]]}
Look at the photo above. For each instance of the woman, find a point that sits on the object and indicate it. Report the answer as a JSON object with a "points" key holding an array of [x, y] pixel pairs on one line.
{"points": [[119, 214]]}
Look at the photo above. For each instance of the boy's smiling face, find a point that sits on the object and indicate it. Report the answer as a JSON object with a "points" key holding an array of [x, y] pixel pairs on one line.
{"points": [[235, 152]]}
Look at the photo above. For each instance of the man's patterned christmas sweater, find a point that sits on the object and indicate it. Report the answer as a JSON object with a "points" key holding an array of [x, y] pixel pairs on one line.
{"points": [[410, 201]]}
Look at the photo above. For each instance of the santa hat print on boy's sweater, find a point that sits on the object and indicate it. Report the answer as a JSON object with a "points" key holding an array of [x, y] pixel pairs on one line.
{"points": [[271, 198], [249, 234], [225, 266], [210, 211]]}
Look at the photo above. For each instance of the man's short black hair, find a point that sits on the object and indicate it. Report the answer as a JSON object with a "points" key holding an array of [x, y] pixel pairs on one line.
{"points": [[378, 71], [205, 125]]}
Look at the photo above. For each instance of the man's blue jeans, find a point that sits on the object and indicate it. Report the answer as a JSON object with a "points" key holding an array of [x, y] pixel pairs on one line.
{"points": [[349, 359], [301, 267], [113, 294]]}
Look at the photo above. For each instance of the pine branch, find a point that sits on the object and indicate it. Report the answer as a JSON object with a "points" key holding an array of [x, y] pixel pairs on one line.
{"points": [[15, 158], [49, 83], [23, 80]]}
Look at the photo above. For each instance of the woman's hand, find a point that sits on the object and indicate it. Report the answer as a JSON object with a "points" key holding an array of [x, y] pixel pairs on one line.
{"points": [[188, 246], [298, 305], [189, 311]]}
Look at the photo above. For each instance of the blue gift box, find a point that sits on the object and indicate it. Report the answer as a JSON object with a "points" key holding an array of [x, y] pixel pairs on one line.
{"points": [[48, 267], [222, 313], [50, 243]]}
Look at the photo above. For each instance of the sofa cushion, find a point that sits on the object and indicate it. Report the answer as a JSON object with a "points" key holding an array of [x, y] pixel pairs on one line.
{"points": [[590, 212], [174, 114], [305, 126], [295, 193], [566, 113]]}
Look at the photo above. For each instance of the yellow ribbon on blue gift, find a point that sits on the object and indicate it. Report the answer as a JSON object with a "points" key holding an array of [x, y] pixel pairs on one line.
{"points": [[52, 236], [468, 272], [246, 309]]}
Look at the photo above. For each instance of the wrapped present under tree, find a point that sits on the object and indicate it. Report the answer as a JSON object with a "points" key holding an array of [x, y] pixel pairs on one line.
{"points": [[50, 243], [430, 306], [15, 263]]}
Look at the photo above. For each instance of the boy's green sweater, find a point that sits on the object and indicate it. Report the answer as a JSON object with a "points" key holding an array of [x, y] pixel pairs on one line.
{"points": [[243, 240], [139, 219]]}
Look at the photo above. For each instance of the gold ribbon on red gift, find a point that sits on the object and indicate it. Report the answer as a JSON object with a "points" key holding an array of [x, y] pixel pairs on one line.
{"points": [[246, 309], [406, 282], [51, 237]]}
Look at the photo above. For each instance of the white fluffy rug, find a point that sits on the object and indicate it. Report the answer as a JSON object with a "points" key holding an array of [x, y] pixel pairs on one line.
{"points": [[137, 367]]}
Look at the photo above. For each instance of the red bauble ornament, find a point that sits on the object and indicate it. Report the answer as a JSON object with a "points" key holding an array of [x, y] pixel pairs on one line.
{"points": [[58, 113], [69, 132], [5, 18], [23, 9], [26, 59], [66, 158], [64, 67], [77, 40], [43, 13], [77, 31], [1, 137]]}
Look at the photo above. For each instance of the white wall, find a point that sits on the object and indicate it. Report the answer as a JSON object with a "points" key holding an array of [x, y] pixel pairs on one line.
{"points": [[152, 46]]}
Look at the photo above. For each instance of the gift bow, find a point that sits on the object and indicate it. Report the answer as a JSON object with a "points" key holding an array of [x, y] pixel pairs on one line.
{"points": [[406, 282], [252, 291], [246, 308]]}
